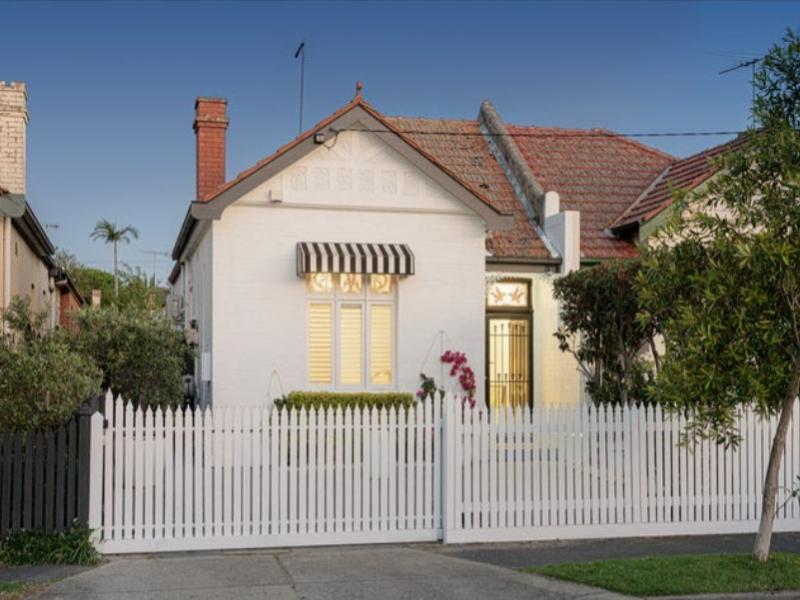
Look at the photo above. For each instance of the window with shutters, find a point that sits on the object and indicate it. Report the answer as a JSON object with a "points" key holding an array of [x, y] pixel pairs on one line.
{"points": [[351, 330]]}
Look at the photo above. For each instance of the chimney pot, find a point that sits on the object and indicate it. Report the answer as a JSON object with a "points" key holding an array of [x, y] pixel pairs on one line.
{"points": [[210, 125]]}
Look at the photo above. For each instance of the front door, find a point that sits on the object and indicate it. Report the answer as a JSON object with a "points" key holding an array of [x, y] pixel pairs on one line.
{"points": [[508, 340]]}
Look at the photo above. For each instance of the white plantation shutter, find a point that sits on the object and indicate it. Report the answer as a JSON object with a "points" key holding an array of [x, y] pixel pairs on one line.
{"points": [[320, 342], [351, 342], [380, 344]]}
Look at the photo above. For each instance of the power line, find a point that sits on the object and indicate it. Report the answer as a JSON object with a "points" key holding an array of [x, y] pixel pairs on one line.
{"points": [[547, 134]]}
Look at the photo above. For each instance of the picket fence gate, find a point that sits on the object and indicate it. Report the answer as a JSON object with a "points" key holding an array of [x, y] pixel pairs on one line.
{"points": [[258, 477]]}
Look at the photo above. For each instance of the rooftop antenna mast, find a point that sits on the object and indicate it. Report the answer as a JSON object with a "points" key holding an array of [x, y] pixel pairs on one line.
{"points": [[155, 254], [301, 54], [744, 64]]}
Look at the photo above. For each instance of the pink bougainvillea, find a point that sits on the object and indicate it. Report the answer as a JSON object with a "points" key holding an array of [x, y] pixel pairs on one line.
{"points": [[466, 376], [458, 369]]}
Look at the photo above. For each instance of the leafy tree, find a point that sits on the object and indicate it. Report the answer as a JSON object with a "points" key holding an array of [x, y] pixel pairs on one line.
{"points": [[140, 354], [600, 327], [88, 279], [111, 234], [42, 382], [66, 261], [722, 282], [140, 291]]}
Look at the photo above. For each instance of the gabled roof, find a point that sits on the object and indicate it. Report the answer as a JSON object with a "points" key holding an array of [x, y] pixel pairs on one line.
{"points": [[684, 174], [594, 171], [459, 145], [358, 113]]}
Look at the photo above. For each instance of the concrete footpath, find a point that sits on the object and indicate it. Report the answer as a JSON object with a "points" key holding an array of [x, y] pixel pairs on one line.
{"points": [[351, 573]]}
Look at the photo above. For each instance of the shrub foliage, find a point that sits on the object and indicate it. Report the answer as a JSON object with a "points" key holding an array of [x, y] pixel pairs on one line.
{"points": [[319, 400], [139, 353], [600, 327], [42, 382], [71, 547]]}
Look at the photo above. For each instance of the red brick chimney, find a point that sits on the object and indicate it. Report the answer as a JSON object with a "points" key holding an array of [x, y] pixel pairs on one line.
{"points": [[210, 124]]}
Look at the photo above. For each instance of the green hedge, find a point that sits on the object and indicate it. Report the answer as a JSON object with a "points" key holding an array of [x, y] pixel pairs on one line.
{"points": [[345, 400]]}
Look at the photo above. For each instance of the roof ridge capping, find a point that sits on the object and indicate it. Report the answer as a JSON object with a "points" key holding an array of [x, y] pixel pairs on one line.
{"points": [[500, 138]]}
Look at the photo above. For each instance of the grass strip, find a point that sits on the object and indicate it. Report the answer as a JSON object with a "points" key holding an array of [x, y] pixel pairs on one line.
{"points": [[676, 575]]}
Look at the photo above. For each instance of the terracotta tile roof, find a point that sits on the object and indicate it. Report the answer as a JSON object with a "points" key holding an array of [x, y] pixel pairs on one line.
{"points": [[684, 174], [595, 172], [468, 156], [357, 101]]}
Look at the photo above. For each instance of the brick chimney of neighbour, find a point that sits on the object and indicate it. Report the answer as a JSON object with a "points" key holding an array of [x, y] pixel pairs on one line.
{"points": [[210, 125], [13, 126]]}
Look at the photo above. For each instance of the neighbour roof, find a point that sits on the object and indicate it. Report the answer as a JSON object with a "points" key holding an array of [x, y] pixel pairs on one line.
{"points": [[596, 172], [64, 281], [684, 174], [468, 156]]}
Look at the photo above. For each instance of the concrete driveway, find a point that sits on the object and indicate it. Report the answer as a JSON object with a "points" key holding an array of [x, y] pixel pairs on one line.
{"points": [[351, 573]]}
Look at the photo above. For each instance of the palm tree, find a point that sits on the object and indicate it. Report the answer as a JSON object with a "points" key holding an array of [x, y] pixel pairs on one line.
{"points": [[111, 234]]}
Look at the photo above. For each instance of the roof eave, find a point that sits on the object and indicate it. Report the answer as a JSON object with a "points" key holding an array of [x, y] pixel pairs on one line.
{"points": [[174, 273], [185, 232], [35, 236]]}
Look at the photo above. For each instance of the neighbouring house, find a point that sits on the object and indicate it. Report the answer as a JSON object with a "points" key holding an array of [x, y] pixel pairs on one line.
{"points": [[26, 252], [353, 255]]}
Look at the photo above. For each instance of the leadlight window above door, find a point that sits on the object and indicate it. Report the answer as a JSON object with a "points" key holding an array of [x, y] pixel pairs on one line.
{"points": [[508, 294]]}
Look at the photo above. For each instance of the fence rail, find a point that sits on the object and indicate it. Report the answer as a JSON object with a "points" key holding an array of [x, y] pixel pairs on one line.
{"points": [[579, 472], [44, 478]]}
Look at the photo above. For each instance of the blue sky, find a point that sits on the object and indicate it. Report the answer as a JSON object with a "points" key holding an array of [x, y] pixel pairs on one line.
{"points": [[112, 85]]}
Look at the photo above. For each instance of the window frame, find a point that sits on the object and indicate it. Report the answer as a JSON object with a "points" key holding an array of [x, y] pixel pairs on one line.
{"points": [[366, 299]]}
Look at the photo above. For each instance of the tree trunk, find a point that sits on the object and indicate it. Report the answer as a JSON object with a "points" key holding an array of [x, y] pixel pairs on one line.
{"points": [[116, 272], [770, 491]]}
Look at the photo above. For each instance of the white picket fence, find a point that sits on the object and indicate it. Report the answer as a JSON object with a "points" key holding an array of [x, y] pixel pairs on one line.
{"points": [[243, 478], [253, 477], [586, 472]]}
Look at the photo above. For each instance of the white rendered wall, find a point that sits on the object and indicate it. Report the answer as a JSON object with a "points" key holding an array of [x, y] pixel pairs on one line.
{"points": [[358, 191], [195, 283]]}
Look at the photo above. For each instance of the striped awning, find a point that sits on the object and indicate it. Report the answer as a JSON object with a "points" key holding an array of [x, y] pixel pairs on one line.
{"points": [[336, 257]]}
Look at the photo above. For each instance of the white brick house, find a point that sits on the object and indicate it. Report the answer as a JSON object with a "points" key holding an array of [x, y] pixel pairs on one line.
{"points": [[280, 272]]}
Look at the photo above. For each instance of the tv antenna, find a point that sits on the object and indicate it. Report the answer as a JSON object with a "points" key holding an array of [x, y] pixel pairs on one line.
{"points": [[301, 54], [743, 65]]}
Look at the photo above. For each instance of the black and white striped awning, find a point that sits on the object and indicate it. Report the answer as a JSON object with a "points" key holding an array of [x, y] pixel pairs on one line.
{"points": [[335, 257]]}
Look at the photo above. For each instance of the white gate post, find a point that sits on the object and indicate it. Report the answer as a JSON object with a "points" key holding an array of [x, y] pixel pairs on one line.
{"points": [[449, 467], [96, 475]]}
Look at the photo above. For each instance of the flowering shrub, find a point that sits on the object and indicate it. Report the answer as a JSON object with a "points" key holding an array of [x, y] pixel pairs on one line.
{"points": [[458, 369], [427, 388]]}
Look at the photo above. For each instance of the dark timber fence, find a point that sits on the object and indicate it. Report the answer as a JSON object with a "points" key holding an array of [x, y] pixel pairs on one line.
{"points": [[44, 477]]}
